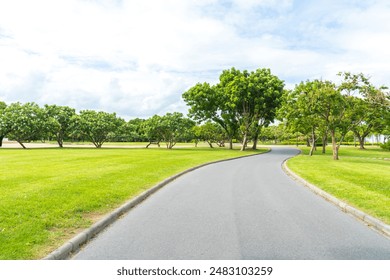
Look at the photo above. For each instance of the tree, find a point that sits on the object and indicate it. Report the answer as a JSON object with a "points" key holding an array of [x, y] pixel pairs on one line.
{"points": [[122, 133], [96, 126], [152, 128], [209, 103], [322, 106], [211, 133], [264, 98], [168, 128], [301, 110], [4, 129], [305, 110], [25, 122], [135, 127], [369, 111], [126, 132], [241, 101], [173, 127], [272, 132], [61, 121], [340, 117]]}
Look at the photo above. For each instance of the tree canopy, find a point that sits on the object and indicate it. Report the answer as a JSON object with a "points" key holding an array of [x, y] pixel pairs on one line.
{"points": [[241, 102], [96, 126], [235, 109]]}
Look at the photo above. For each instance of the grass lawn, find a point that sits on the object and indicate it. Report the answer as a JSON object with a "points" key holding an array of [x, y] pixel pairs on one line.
{"points": [[361, 177], [49, 195]]}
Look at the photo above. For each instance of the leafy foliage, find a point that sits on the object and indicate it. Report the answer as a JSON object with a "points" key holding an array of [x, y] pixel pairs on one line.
{"points": [[96, 126], [61, 121], [168, 128], [24, 122], [240, 102]]}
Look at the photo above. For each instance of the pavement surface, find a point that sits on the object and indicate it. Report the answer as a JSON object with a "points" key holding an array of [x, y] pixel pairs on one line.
{"points": [[246, 208]]}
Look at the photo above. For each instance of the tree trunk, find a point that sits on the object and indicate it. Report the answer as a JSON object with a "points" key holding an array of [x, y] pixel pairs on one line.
{"points": [[255, 139], [313, 142], [244, 140], [1, 140], [254, 146], [324, 142], [210, 144], [21, 144], [312, 149], [231, 144], [256, 136], [361, 142], [335, 147]]}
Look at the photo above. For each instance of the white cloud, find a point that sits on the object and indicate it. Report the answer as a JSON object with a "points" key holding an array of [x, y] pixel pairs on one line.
{"points": [[137, 57]]}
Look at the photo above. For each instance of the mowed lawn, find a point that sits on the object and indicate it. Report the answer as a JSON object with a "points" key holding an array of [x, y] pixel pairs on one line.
{"points": [[49, 195], [360, 177]]}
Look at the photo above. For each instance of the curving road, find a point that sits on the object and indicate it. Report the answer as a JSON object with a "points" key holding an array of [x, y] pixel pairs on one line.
{"points": [[246, 208]]}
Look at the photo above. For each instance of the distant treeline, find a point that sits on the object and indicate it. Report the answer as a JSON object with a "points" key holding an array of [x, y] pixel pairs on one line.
{"points": [[242, 107]]}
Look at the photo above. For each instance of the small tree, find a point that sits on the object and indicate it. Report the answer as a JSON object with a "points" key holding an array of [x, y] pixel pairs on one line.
{"points": [[369, 112], [339, 118], [173, 127], [25, 122], [211, 133], [136, 132], [61, 121], [168, 128], [4, 127], [95, 126], [152, 129]]}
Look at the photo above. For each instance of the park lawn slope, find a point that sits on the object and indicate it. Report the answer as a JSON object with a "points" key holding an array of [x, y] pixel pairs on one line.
{"points": [[49, 195], [361, 177]]}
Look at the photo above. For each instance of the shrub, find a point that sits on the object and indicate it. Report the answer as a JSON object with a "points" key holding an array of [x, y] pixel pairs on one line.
{"points": [[386, 146]]}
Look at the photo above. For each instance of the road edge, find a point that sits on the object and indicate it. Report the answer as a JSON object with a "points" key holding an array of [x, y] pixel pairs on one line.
{"points": [[73, 245], [367, 219]]}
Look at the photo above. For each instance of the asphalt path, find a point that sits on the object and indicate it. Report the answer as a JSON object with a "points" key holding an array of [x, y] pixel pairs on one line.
{"points": [[246, 208]]}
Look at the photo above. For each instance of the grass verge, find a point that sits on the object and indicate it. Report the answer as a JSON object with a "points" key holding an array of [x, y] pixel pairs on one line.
{"points": [[361, 177], [49, 195]]}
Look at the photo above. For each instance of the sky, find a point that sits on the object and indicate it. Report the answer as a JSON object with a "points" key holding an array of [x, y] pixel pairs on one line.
{"points": [[137, 58]]}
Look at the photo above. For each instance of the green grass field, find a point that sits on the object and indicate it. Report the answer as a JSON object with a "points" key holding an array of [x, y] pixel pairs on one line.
{"points": [[361, 177], [49, 195]]}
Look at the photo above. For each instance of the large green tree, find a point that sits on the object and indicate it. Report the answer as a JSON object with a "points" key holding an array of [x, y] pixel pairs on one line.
{"points": [[261, 102], [307, 108], [242, 102], [209, 103]]}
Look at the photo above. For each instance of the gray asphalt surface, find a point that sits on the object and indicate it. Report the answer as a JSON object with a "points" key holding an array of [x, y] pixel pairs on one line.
{"points": [[241, 209]]}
